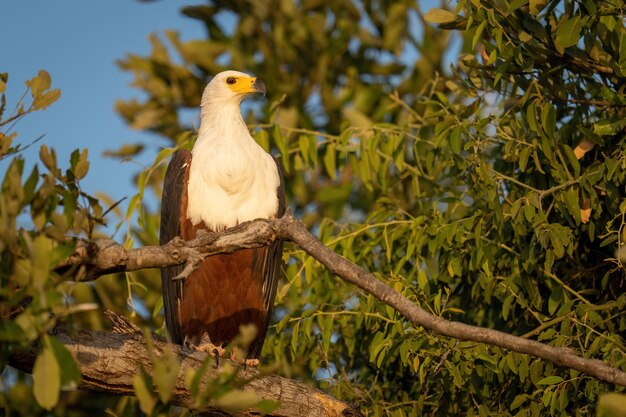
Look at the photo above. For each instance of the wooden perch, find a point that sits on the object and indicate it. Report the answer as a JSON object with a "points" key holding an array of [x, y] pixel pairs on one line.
{"points": [[108, 256], [109, 361], [105, 256]]}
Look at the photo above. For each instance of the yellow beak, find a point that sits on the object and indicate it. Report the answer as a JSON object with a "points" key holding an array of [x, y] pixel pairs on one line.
{"points": [[247, 85]]}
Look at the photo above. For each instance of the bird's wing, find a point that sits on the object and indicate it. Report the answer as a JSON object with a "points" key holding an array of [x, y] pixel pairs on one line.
{"points": [[269, 264], [173, 207]]}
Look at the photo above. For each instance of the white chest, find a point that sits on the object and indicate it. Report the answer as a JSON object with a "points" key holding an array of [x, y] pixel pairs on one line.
{"points": [[231, 182]]}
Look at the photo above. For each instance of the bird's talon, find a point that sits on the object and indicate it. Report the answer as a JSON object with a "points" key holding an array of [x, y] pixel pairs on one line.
{"points": [[216, 353]]}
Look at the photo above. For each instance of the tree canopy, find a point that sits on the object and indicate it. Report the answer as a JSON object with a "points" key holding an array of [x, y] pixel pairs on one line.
{"points": [[472, 157]]}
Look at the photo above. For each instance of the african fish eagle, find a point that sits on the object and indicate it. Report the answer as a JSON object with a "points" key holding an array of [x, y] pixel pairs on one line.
{"points": [[225, 180]]}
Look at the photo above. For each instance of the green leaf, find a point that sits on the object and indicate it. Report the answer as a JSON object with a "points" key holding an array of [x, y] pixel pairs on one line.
{"points": [[128, 150], [282, 145], [377, 348], [396, 25], [573, 161], [193, 378], [523, 158], [330, 161], [49, 158], [525, 36], [506, 306], [546, 397], [548, 119], [165, 375], [457, 380], [608, 127], [39, 83], [454, 267], [612, 405], [30, 185], [531, 117], [294, 337], [357, 118], [142, 384], [568, 32], [40, 258], [81, 166], [556, 297], [516, 4], [510, 361], [157, 307], [455, 140], [306, 326], [267, 406], [478, 33], [44, 100], [550, 380], [237, 400], [326, 325], [303, 147], [10, 331], [46, 379], [439, 16], [71, 376], [422, 280], [536, 6], [518, 401], [522, 368], [571, 201]]}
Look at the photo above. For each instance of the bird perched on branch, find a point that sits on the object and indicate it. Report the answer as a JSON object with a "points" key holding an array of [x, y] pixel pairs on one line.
{"points": [[225, 180]]}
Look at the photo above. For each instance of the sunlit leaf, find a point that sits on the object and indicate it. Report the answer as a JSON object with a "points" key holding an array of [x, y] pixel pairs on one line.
{"points": [[568, 32], [439, 16], [550, 380], [46, 379], [71, 376], [143, 391]]}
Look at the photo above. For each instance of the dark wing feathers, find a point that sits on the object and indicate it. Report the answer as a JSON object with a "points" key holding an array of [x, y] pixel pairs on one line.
{"points": [[174, 191], [270, 265]]}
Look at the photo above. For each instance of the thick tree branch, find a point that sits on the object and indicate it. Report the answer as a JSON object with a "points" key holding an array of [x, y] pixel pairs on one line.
{"points": [[105, 256], [111, 257], [109, 362]]}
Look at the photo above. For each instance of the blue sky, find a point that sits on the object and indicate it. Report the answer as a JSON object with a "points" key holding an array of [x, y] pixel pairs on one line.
{"points": [[78, 42]]}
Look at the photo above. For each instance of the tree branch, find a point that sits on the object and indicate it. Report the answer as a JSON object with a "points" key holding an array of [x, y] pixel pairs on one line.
{"points": [[111, 257], [105, 256], [109, 361]]}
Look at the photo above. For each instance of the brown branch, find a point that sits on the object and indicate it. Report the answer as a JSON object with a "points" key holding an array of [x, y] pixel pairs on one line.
{"points": [[105, 256], [109, 361], [113, 257]]}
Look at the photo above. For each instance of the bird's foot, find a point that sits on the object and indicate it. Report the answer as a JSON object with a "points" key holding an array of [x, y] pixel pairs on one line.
{"points": [[252, 362], [213, 350]]}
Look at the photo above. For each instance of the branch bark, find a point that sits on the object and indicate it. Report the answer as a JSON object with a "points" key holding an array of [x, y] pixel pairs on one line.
{"points": [[105, 256], [109, 361], [109, 257]]}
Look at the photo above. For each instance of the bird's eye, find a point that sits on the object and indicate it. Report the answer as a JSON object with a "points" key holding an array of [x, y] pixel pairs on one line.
{"points": [[231, 80]]}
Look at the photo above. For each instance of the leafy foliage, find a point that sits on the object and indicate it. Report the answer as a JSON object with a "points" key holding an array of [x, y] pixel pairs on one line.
{"points": [[41, 215], [491, 193]]}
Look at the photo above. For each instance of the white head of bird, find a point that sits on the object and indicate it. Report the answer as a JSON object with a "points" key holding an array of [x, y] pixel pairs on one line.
{"points": [[223, 95], [232, 179], [230, 88]]}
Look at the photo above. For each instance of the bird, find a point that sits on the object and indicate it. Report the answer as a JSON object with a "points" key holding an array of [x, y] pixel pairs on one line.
{"points": [[226, 179]]}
